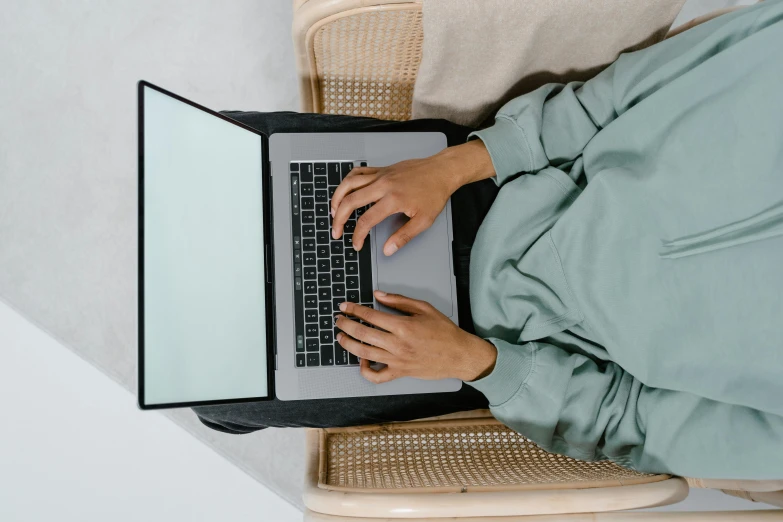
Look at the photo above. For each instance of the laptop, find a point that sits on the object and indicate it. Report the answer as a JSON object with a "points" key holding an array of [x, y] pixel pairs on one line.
{"points": [[239, 277]]}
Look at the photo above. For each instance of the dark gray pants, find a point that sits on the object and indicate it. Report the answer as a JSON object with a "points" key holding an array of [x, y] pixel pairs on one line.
{"points": [[469, 206]]}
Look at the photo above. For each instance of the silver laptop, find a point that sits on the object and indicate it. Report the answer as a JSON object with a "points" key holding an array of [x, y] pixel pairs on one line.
{"points": [[239, 277]]}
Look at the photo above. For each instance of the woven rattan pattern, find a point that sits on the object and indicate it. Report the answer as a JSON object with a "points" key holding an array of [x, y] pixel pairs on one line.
{"points": [[366, 63], [460, 456]]}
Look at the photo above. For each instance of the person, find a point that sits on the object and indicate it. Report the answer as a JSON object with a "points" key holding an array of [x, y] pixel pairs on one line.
{"points": [[624, 281]]}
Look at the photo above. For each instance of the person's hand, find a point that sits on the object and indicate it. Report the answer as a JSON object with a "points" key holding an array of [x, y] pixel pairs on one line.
{"points": [[418, 188], [424, 344]]}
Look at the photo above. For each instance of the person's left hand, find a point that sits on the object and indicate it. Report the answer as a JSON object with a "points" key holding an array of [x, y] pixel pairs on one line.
{"points": [[424, 344]]}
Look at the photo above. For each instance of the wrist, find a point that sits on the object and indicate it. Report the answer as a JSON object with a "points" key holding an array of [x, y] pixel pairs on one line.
{"points": [[467, 163], [480, 359]]}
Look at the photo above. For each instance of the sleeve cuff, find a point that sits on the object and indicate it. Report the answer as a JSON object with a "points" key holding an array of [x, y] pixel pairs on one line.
{"points": [[512, 368], [507, 146]]}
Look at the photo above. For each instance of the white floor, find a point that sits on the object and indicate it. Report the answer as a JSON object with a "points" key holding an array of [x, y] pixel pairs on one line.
{"points": [[74, 447]]}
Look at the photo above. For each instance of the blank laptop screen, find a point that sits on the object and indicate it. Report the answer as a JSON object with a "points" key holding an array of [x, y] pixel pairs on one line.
{"points": [[203, 274]]}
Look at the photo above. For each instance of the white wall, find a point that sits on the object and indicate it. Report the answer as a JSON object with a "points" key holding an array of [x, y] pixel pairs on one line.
{"points": [[74, 447]]}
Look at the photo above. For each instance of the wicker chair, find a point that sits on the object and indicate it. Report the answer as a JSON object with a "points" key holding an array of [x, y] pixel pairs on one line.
{"points": [[361, 57]]}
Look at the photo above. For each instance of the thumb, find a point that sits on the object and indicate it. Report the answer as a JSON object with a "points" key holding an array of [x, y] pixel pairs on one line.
{"points": [[408, 231], [401, 303]]}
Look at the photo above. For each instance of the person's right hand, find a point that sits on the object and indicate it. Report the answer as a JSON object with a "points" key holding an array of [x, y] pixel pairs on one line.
{"points": [[418, 188]]}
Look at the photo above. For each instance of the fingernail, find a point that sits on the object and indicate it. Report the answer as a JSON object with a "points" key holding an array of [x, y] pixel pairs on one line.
{"points": [[332, 211], [334, 233], [380, 293], [343, 306], [390, 249], [339, 337], [336, 317]]}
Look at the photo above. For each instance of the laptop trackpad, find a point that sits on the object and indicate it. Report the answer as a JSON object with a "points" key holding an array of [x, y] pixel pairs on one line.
{"points": [[421, 269]]}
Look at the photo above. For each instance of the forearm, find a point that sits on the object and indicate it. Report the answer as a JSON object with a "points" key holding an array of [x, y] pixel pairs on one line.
{"points": [[466, 163]]}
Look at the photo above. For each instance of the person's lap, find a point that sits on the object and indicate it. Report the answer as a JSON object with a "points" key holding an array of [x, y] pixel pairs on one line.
{"points": [[469, 206]]}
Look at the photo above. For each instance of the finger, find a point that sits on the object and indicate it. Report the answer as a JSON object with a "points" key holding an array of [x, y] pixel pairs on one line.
{"points": [[351, 183], [377, 318], [377, 213], [359, 198], [363, 351], [402, 303], [361, 171], [408, 231], [364, 333], [376, 376]]}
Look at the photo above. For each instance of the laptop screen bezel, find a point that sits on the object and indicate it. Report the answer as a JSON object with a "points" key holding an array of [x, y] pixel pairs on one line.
{"points": [[268, 264]]}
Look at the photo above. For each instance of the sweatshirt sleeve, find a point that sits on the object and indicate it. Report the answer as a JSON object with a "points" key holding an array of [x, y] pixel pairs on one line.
{"points": [[552, 125], [570, 404]]}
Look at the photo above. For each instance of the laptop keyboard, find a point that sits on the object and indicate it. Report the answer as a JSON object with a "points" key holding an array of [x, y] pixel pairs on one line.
{"points": [[326, 271]]}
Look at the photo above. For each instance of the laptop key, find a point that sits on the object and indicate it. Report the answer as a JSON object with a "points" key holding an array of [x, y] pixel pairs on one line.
{"points": [[310, 287], [306, 172], [309, 272], [340, 355], [337, 248], [348, 240], [352, 296], [351, 269], [327, 355], [324, 294], [332, 190], [338, 290], [338, 276], [321, 196], [322, 238], [324, 308], [352, 359], [312, 344], [322, 251], [349, 226], [312, 359], [326, 322], [336, 304], [352, 283], [306, 189], [311, 316], [324, 280], [294, 167], [326, 337], [350, 254], [320, 182], [333, 173], [311, 330], [308, 244], [308, 258], [323, 265], [308, 216], [365, 275], [308, 230], [321, 209], [338, 261], [307, 203], [320, 169], [300, 360], [311, 301], [322, 223]]}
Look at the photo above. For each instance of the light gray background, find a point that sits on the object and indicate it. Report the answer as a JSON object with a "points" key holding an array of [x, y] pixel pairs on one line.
{"points": [[68, 184]]}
